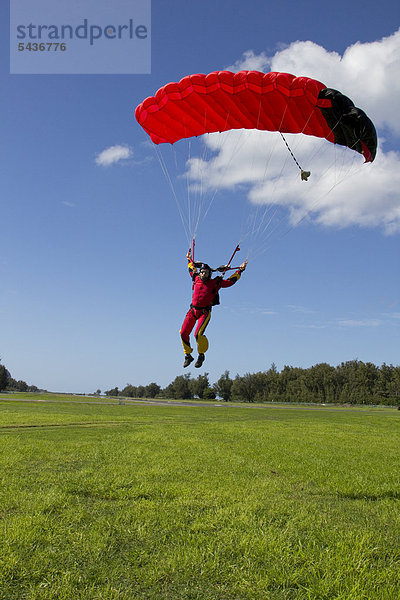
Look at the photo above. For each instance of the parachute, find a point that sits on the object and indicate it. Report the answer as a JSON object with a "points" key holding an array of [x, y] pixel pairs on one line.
{"points": [[269, 104], [222, 100]]}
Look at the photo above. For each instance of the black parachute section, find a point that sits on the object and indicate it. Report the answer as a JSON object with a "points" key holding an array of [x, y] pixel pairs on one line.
{"points": [[349, 124]]}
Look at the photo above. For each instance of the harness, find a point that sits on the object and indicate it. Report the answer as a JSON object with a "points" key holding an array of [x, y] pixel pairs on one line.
{"points": [[204, 309]]}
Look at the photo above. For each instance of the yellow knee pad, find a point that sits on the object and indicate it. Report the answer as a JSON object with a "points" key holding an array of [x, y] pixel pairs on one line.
{"points": [[202, 344]]}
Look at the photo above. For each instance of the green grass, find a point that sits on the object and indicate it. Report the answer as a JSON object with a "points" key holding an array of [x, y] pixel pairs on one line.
{"points": [[130, 502], [56, 397]]}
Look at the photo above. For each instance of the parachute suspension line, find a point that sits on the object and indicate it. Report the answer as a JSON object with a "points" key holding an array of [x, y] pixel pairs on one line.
{"points": [[201, 200], [203, 210], [359, 139], [259, 216], [192, 207], [255, 219], [171, 185], [197, 202], [339, 177], [224, 142], [268, 225], [270, 211], [317, 151], [196, 191], [304, 174], [188, 189], [264, 220], [314, 204], [195, 197], [342, 169]]}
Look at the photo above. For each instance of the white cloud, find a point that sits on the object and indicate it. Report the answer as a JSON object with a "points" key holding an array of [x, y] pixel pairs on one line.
{"points": [[341, 191], [368, 73], [300, 309], [112, 155], [360, 323], [250, 62]]}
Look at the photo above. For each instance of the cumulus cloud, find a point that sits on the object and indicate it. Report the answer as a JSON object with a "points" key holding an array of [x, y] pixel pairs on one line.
{"points": [[112, 155], [250, 62], [341, 191], [369, 73]]}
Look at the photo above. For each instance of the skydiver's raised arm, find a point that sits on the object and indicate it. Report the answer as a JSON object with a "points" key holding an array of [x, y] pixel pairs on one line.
{"points": [[235, 277], [191, 265]]}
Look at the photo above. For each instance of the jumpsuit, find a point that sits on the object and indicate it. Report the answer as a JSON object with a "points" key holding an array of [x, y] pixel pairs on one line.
{"points": [[205, 294]]}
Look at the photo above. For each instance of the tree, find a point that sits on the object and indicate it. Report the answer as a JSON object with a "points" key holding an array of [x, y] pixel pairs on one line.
{"points": [[140, 391], [291, 380], [179, 388], [273, 391], [4, 377], [22, 386], [209, 394], [198, 386], [129, 391], [152, 390], [248, 388], [358, 381], [223, 387], [321, 383], [112, 392]]}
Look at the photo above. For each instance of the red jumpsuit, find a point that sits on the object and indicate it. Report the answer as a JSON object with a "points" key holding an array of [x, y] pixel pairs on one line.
{"points": [[204, 295]]}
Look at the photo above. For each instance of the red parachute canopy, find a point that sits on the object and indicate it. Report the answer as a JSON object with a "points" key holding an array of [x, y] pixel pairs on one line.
{"points": [[223, 100]]}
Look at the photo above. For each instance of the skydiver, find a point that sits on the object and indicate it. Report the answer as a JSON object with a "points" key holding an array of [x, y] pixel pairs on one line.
{"points": [[205, 296]]}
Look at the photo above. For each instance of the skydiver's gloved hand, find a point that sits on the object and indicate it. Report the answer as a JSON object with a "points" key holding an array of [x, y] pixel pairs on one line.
{"points": [[243, 266], [222, 268], [189, 254]]}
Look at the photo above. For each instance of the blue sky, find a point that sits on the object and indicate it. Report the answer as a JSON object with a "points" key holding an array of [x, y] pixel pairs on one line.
{"points": [[93, 274]]}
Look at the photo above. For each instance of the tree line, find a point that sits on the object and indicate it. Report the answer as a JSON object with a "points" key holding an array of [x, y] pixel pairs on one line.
{"points": [[351, 382]]}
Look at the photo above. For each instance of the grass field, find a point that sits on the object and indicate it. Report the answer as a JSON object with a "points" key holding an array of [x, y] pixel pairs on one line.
{"points": [[136, 502]]}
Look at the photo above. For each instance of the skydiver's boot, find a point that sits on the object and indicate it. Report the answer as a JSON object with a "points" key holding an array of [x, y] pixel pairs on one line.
{"points": [[199, 361], [188, 359]]}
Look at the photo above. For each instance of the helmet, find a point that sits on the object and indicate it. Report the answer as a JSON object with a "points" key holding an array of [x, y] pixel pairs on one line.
{"points": [[205, 267]]}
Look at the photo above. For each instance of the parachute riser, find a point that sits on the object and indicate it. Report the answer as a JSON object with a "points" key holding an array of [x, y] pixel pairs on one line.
{"points": [[228, 267], [193, 247], [222, 268], [237, 249]]}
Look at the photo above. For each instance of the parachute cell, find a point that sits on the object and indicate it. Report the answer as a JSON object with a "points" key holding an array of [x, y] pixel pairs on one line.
{"points": [[223, 100]]}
